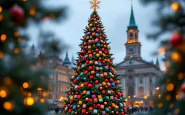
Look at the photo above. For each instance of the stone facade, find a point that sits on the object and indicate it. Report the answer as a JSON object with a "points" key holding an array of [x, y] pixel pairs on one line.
{"points": [[138, 77]]}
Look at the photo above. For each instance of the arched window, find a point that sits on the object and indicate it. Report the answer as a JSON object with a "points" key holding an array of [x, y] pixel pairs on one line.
{"points": [[131, 35], [141, 92]]}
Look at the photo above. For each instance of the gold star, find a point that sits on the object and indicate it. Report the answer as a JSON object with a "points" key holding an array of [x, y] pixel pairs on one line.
{"points": [[95, 4]]}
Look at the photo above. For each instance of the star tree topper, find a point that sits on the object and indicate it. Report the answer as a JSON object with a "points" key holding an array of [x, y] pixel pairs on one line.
{"points": [[95, 4]]}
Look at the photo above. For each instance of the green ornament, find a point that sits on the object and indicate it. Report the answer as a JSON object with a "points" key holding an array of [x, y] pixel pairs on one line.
{"points": [[72, 112], [107, 97]]}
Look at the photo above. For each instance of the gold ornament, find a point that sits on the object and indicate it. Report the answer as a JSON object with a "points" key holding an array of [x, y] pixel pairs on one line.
{"points": [[95, 4]]}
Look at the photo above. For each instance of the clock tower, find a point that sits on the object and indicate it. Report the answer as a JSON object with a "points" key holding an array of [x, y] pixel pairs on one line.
{"points": [[133, 46]]}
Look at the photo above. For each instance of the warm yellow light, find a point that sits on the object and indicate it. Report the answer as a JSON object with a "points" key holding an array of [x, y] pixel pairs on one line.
{"points": [[42, 100], [128, 96], [29, 101], [160, 105], [126, 99], [157, 88], [159, 96], [1, 55], [161, 50], [44, 94], [16, 50], [180, 76], [19, 39], [141, 101], [134, 96], [177, 96], [3, 37], [1, 17], [169, 87], [24, 0], [8, 105], [175, 57], [145, 97], [25, 85], [168, 98], [3, 93], [32, 11], [29, 94], [39, 89], [175, 6], [1, 9], [16, 34]]}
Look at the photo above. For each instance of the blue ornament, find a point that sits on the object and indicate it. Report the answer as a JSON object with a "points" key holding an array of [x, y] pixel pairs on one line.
{"points": [[110, 73], [121, 105], [78, 78], [97, 75], [113, 84], [88, 93], [96, 85], [100, 100], [85, 78], [95, 22], [74, 107], [97, 35], [82, 66], [101, 68], [95, 111], [98, 45], [99, 64]]}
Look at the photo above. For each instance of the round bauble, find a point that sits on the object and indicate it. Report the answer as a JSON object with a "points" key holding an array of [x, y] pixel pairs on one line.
{"points": [[183, 87], [17, 14], [176, 39], [78, 106], [105, 103], [84, 106]]}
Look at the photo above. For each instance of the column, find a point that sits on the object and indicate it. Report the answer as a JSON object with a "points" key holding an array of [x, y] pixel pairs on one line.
{"points": [[136, 86]]}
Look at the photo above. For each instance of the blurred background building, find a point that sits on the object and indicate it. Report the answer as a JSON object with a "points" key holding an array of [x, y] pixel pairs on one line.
{"points": [[59, 80], [138, 77]]}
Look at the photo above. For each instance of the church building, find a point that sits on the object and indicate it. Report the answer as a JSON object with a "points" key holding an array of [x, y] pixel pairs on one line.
{"points": [[138, 77]]}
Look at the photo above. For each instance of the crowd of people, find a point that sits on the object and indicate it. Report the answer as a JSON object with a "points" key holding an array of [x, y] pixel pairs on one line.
{"points": [[139, 109], [54, 110]]}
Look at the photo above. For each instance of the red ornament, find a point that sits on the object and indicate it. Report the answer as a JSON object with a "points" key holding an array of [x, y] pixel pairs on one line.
{"points": [[176, 39], [96, 50], [78, 87], [98, 105], [103, 92], [122, 113], [75, 80], [106, 80], [85, 37], [97, 30], [77, 93], [85, 72], [89, 86], [83, 111], [84, 43], [90, 100], [90, 67], [116, 112], [86, 83], [87, 61], [96, 81], [92, 19], [91, 77], [17, 14], [183, 87]]}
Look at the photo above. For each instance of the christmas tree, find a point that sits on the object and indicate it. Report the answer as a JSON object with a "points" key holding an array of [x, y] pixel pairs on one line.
{"points": [[21, 89], [94, 88], [172, 99]]}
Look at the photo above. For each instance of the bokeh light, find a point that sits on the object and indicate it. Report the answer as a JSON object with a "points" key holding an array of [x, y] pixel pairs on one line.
{"points": [[29, 101], [169, 87], [3, 93], [8, 105], [1, 55], [175, 57], [25, 85], [175, 6], [3, 37]]}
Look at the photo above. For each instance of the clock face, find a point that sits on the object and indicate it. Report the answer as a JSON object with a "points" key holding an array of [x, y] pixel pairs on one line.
{"points": [[131, 49]]}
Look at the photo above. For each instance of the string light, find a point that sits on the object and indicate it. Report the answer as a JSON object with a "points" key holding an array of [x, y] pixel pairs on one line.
{"points": [[1, 9], [169, 87], [24, 0], [29, 101], [44, 94], [25, 85], [180, 76], [175, 57], [160, 105], [8, 105], [29, 94], [32, 11], [16, 50], [1, 55], [3, 37], [39, 89], [3, 93], [1, 17], [168, 98], [16, 34], [42, 100], [175, 6]]}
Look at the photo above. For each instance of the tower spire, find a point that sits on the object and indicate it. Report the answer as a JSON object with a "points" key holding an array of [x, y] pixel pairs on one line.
{"points": [[132, 23]]}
